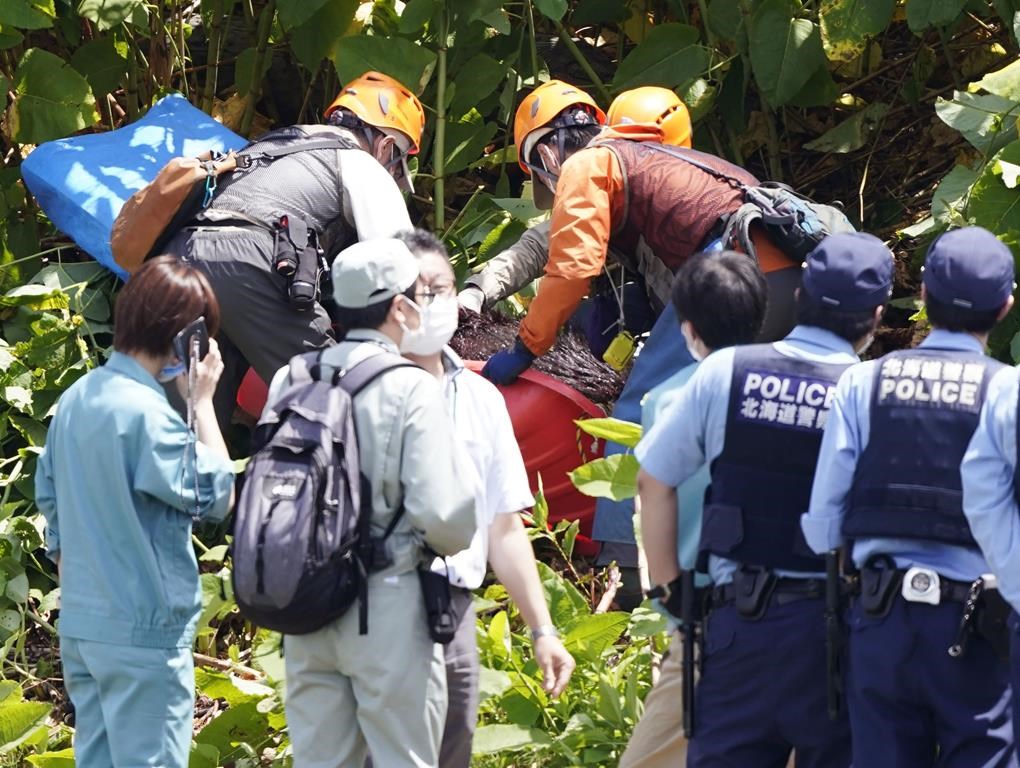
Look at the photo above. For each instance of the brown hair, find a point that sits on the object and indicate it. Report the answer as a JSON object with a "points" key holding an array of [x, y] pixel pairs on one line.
{"points": [[159, 300]]}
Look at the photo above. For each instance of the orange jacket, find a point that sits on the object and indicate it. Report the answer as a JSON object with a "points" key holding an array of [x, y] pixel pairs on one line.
{"points": [[590, 206]]}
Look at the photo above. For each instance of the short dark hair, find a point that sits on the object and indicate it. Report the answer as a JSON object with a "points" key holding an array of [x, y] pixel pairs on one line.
{"points": [[849, 325], [420, 241], [723, 296], [370, 317], [159, 300], [573, 138], [950, 317]]}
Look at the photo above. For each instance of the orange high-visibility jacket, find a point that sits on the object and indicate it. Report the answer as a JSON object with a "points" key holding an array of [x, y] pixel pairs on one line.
{"points": [[619, 191]]}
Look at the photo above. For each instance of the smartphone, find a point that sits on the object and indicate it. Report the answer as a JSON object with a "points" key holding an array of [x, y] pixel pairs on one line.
{"points": [[185, 340]]}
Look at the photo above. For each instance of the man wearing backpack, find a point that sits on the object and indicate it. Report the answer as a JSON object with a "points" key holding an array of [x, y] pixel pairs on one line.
{"points": [[276, 223], [384, 692], [624, 195]]}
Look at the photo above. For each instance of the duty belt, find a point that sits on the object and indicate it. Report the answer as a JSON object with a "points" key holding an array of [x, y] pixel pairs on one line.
{"points": [[786, 590]]}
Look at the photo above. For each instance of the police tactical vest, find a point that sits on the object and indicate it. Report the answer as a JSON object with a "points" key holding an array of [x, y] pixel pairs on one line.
{"points": [[761, 482], [925, 407], [305, 185]]}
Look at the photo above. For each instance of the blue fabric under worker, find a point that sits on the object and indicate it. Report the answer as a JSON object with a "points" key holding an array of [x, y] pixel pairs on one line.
{"points": [[924, 684], [762, 693]]}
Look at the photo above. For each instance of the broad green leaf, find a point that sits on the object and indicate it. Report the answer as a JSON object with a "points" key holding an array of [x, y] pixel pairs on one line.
{"points": [[9, 38], [492, 682], [922, 14], [268, 657], [646, 622], [847, 25], [33, 431], [1003, 82], [465, 141], [819, 91], [522, 209], [17, 588], [615, 430], [699, 97], [203, 756], [994, 205], [245, 69], [10, 622], [499, 634], [62, 759], [38, 297], [592, 635], [987, 121], [481, 74], [107, 14], [725, 18], [243, 723], [103, 62], [19, 397], [53, 100], [294, 13], [319, 37], [853, 133], [669, 56], [1010, 172], [608, 704], [27, 14], [599, 12], [564, 601], [409, 63], [19, 720], [500, 237], [785, 51], [614, 477], [948, 200], [215, 554], [490, 739], [553, 9], [416, 14]]}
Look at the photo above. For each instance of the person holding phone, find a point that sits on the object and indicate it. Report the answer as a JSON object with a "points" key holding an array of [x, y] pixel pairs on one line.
{"points": [[120, 481]]}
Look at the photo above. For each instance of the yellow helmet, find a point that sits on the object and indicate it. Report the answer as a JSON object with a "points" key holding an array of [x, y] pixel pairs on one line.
{"points": [[651, 104], [383, 102], [539, 110]]}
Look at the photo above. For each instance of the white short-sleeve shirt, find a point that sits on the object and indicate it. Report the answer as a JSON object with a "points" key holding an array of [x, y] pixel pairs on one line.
{"points": [[482, 423]]}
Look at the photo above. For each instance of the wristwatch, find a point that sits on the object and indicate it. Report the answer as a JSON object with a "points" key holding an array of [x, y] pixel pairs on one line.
{"points": [[546, 630]]}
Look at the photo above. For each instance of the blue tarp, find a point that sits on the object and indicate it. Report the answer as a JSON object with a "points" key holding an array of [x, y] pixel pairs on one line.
{"points": [[82, 182]]}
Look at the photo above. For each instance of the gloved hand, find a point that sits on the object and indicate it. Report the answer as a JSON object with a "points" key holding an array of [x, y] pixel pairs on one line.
{"points": [[504, 367], [471, 298]]}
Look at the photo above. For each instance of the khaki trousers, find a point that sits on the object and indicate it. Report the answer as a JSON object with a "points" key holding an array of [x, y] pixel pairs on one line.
{"points": [[658, 738], [384, 692]]}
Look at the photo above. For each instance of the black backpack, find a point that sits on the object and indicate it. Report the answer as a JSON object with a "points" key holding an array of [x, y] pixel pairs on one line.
{"points": [[302, 547], [795, 223]]}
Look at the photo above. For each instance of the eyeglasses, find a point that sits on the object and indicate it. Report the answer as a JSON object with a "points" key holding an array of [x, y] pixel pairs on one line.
{"points": [[430, 293]]}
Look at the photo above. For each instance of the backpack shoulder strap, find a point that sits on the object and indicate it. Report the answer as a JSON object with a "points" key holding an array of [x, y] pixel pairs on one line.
{"points": [[689, 156], [244, 160], [364, 373], [305, 367]]}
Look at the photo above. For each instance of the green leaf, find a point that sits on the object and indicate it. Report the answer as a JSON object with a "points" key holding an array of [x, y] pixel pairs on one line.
{"points": [[947, 203], [243, 723], [785, 51], [215, 554], [19, 720], [499, 634], [203, 756], [103, 62], [669, 56], [480, 74], [614, 477], [847, 25], [725, 18], [27, 14], [19, 397], [245, 68], [599, 12], [319, 37], [818, 91], [615, 430], [17, 588], [853, 133], [1003, 82], [592, 635], [294, 13], [986, 121], [564, 601], [646, 622], [465, 141], [492, 682], [553, 9], [53, 100], [416, 14], [409, 63], [490, 739], [62, 759], [1010, 172], [108, 14], [9, 38], [922, 14], [993, 204]]}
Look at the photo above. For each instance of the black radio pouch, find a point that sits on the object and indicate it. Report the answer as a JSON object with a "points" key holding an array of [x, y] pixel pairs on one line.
{"points": [[880, 582], [439, 613], [991, 622], [752, 589]]}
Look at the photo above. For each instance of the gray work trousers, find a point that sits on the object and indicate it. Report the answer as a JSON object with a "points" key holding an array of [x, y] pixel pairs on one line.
{"points": [[258, 326], [462, 670]]}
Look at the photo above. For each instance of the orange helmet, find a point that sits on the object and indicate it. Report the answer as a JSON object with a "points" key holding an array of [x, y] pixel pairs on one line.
{"points": [[651, 104], [381, 101], [541, 107]]}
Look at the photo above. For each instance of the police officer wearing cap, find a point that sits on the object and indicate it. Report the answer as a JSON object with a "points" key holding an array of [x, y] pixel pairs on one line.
{"points": [[924, 684], [755, 414]]}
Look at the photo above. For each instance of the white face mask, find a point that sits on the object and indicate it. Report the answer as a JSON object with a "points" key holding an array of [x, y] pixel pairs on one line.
{"points": [[692, 346], [438, 324]]}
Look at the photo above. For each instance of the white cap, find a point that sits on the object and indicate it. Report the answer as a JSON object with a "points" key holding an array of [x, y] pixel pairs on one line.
{"points": [[372, 271]]}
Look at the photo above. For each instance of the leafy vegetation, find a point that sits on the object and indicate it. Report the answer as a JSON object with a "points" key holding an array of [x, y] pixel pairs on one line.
{"points": [[907, 110]]}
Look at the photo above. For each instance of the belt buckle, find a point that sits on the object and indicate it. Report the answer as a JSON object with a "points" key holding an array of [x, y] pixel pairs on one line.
{"points": [[921, 585]]}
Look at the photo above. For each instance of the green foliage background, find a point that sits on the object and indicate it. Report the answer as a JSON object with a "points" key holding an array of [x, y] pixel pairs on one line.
{"points": [[907, 110]]}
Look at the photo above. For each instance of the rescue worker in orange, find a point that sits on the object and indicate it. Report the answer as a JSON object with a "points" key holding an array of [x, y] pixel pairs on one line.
{"points": [[626, 197]]}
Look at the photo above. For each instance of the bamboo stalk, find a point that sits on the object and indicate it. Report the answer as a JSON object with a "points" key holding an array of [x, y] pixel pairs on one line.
{"points": [[583, 62], [532, 43], [439, 145], [213, 56], [255, 89]]}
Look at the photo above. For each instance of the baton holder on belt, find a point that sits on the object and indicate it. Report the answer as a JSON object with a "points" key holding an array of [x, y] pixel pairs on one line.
{"points": [[880, 583], [753, 587], [834, 639]]}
